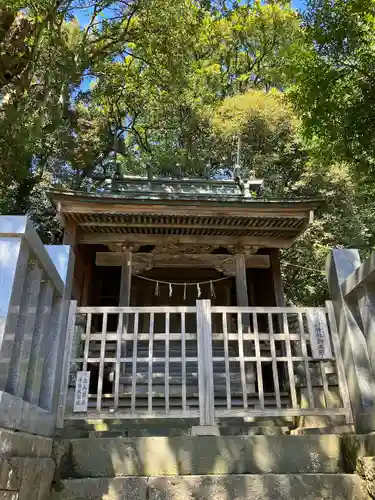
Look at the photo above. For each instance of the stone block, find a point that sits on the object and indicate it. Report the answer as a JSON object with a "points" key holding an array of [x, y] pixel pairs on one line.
{"points": [[11, 470], [269, 487], [126, 488], [45, 482], [25, 417], [355, 447], [366, 468], [32, 477], [8, 495], [259, 487], [61, 454], [333, 429], [155, 456], [20, 444], [205, 430]]}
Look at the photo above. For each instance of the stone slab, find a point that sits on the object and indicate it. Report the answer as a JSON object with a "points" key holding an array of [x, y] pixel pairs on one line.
{"points": [[259, 487], [20, 444], [205, 430], [155, 456], [366, 469], [22, 416], [336, 429], [30, 477], [235, 487], [46, 484], [8, 495], [128, 488], [355, 447], [11, 470], [36, 476]]}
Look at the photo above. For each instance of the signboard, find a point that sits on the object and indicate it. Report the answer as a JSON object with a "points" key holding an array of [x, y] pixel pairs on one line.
{"points": [[81, 394], [319, 334]]}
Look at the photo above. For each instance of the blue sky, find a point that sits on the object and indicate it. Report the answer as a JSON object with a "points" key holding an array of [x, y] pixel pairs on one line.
{"points": [[298, 4], [83, 16]]}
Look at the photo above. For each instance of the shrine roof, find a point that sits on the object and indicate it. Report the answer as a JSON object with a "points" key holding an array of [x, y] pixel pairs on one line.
{"points": [[143, 210]]}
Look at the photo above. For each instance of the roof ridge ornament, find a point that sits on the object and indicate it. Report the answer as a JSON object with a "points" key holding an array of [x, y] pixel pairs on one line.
{"points": [[243, 184]]}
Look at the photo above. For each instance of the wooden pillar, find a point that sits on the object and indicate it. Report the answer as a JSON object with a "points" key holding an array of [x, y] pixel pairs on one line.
{"points": [[70, 236], [241, 285], [276, 277], [70, 233], [243, 301], [87, 258], [125, 283], [124, 300], [205, 367]]}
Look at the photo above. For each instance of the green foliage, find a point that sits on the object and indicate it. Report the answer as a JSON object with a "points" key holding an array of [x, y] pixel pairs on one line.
{"points": [[335, 87], [175, 84], [345, 220], [271, 148]]}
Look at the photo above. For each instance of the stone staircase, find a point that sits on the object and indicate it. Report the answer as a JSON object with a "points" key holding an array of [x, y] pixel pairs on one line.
{"points": [[106, 466]]}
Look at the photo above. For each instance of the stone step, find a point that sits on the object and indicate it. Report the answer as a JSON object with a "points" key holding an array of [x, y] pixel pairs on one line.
{"points": [[198, 455], [234, 487], [169, 427]]}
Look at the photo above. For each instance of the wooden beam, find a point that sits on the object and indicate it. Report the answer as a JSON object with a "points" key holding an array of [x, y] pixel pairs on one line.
{"points": [[177, 261], [126, 276], [309, 220], [221, 227], [105, 206], [70, 232], [155, 239]]}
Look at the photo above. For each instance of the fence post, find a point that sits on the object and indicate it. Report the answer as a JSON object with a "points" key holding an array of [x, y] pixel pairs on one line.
{"points": [[66, 364], [360, 379], [205, 371], [63, 259]]}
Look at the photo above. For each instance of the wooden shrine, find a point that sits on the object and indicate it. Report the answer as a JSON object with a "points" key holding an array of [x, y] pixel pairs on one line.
{"points": [[154, 242]]}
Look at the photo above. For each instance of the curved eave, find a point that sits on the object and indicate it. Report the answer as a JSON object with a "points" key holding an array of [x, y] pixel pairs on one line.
{"points": [[110, 218], [64, 199]]}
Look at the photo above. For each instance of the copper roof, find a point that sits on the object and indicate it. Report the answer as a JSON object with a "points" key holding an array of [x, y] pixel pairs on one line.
{"points": [[218, 211]]}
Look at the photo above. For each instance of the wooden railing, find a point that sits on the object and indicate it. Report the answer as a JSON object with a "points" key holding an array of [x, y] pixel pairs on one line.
{"points": [[208, 363], [143, 361], [276, 364]]}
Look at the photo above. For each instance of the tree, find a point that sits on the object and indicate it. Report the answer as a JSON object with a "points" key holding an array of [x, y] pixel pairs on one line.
{"points": [[344, 220], [335, 86], [158, 95], [271, 148], [43, 124], [174, 84]]}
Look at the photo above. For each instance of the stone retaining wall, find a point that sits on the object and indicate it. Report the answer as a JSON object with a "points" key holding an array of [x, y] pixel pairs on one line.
{"points": [[26, 466]]}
